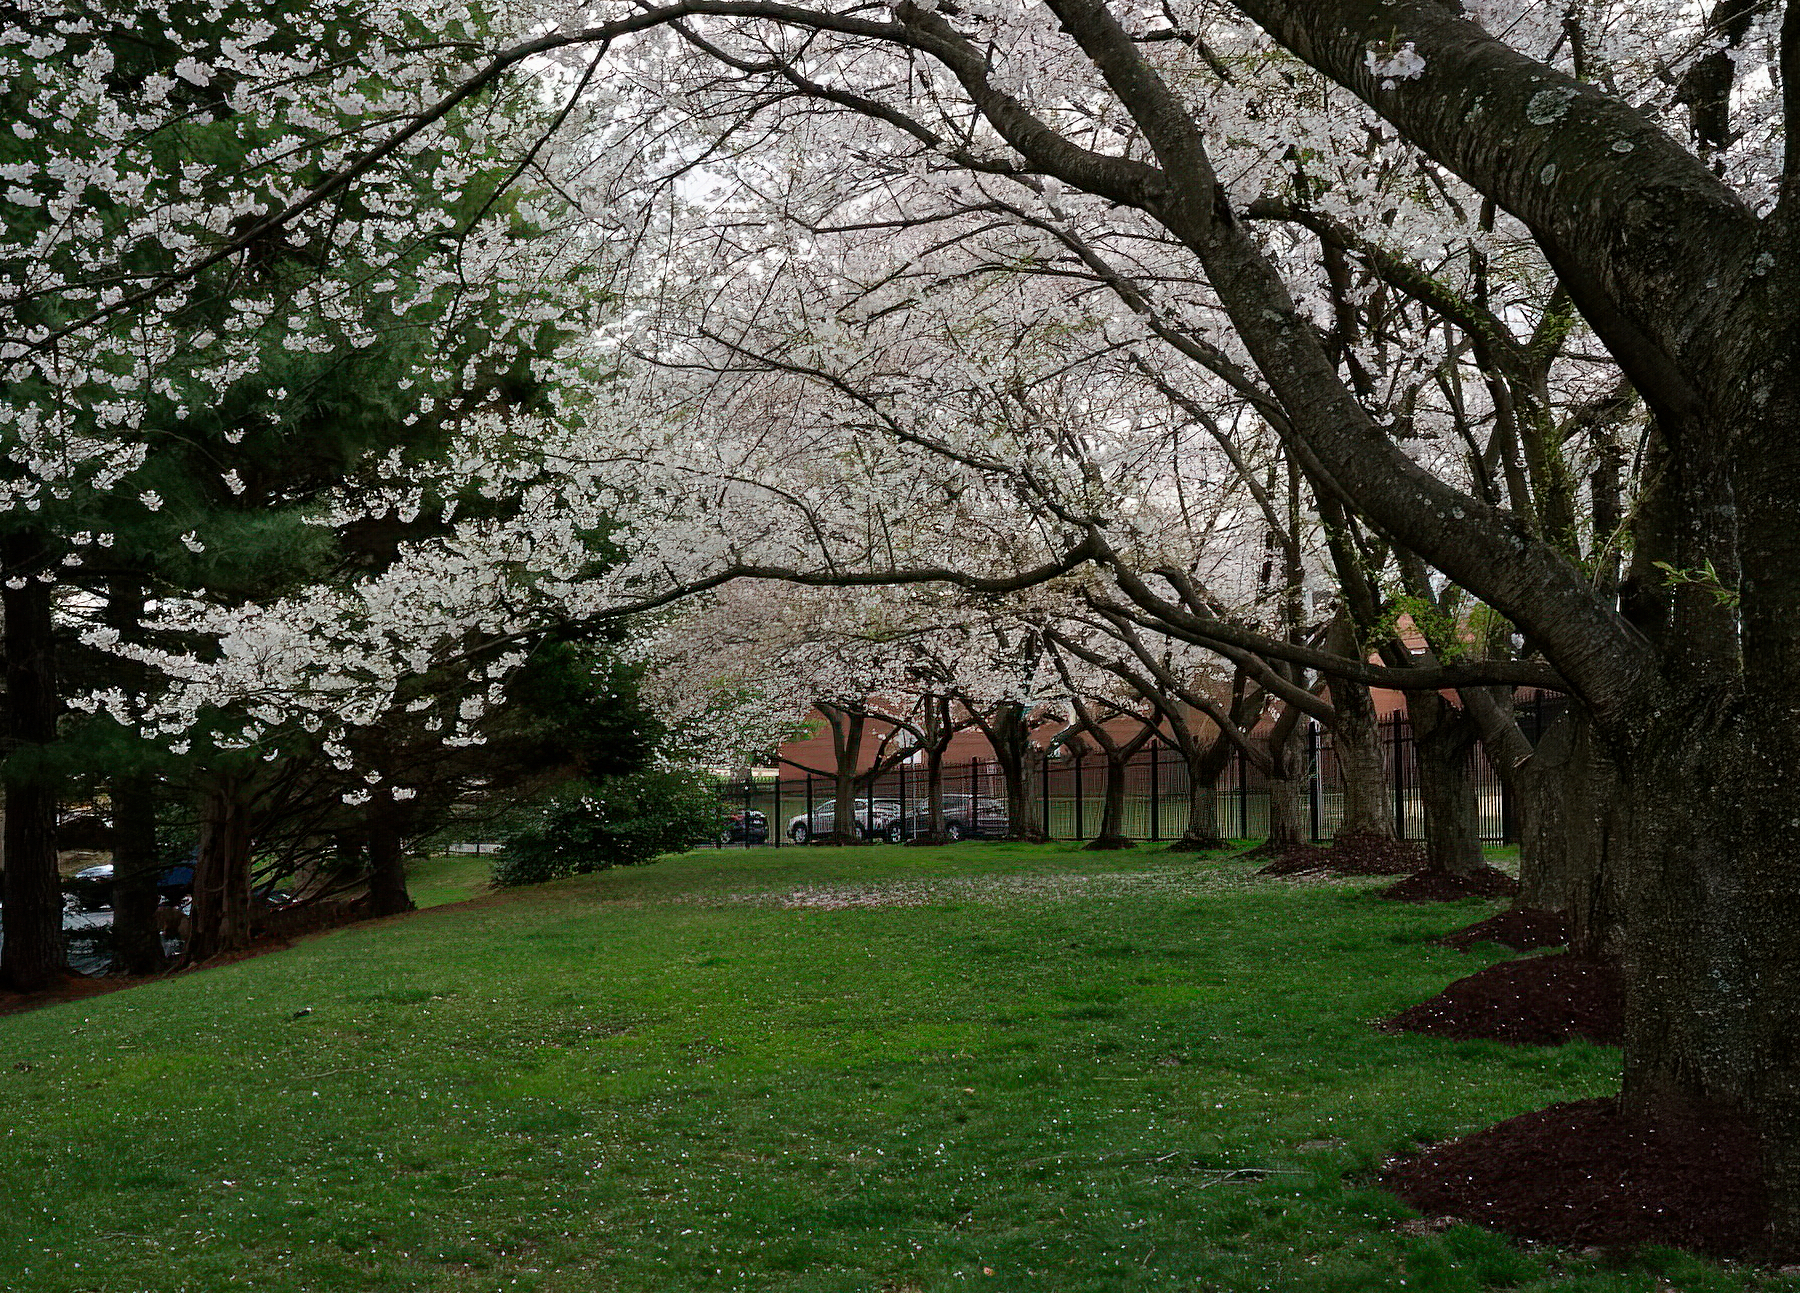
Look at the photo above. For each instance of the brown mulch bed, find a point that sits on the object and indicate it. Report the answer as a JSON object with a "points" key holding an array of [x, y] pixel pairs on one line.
{"points": [[1376, 855], [1524, 929], [1293, 859], [1441, 886], [1350, 855], [1536, 1001], [1583, 1175]]}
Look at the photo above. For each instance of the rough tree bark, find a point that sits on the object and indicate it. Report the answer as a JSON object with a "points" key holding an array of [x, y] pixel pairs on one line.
{"points": [[1111, 833], [1356, 740], [1205, 765], [33, 957], [1009, 732], [847, 723], [221, 911], [137, 943], [1287, 819], [387, 855], [1573, 826], [1444, 737]]}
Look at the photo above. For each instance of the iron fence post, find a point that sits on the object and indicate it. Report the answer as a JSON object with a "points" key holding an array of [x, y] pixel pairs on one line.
{"points": [[1044, 789], [1312, 779], [1399, 782], [1080, 759], [1155, 789], [1243, 795]]}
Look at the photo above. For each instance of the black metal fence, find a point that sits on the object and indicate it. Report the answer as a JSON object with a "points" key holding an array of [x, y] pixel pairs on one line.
{"points": [[1070, 790]]}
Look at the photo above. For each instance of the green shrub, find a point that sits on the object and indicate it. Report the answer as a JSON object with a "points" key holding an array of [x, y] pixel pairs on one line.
{"points": [[617, 821]]}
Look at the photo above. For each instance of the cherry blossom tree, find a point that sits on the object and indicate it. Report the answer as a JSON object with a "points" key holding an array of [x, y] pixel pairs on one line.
{"points": [[1636, 154]]}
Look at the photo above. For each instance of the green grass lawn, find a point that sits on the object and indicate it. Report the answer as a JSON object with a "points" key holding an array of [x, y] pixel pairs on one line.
{"points": [[450, 877], [868, 1069]]}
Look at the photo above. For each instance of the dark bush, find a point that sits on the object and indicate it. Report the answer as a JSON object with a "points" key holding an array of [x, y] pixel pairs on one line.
{"points": [[617, 821]]}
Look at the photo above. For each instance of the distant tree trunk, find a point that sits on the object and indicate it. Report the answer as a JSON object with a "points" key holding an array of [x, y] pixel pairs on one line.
{"points": [[1576, 829], [1540, 795], [387, 860], [137, 942], [31, 894], [1025, 800], [1287, 824], [936, 825], [1205, 765], [1533, 799], [1356, 741], [221, 913], [1443, 737], [847, 738], [1111, 834], [1021, 765]]}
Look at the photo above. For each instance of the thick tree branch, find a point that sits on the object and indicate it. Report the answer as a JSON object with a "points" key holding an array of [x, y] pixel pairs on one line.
{"points": [[1654, 247]]}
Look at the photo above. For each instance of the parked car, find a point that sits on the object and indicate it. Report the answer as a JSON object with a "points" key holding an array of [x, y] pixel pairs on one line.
{"points": [[964, 818], [90, 889], [745, 826], [877, 813]]}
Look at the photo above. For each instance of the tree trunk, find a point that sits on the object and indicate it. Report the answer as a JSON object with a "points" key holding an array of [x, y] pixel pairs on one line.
{"points": [[1573, 832], [1021, 766], [137, 861], [935, 828], [1287, 819], [847, 739], [1111, 834], [221, 913], [1368, 802], [1205, 766], [137, 942], [1541, 801], [387, 858], [1356, 741], [1711, 931], [33, 957], [1443, 737]]}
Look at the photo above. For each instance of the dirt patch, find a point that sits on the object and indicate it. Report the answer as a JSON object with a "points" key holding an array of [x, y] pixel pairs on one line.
{"points": [[274, 932], [1537, 1001], [1582, 1175], [1524, 929], [1441, 886], [74, 987]]}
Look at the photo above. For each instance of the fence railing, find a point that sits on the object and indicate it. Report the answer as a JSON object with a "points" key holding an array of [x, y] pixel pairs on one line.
{"points": [[1070, 792]]}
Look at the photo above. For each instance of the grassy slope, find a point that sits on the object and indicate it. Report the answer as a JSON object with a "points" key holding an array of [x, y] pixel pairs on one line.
{"points": [[637, 1081]]}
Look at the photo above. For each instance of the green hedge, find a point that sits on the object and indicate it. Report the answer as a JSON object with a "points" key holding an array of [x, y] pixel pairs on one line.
{"points": [[617, 821]]}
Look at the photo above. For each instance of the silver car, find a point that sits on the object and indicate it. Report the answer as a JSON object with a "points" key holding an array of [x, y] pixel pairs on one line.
{"points": [[872, 818]]}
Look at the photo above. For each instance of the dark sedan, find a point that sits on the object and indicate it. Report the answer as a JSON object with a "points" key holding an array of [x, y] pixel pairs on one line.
{"points": [[745, 826]]}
